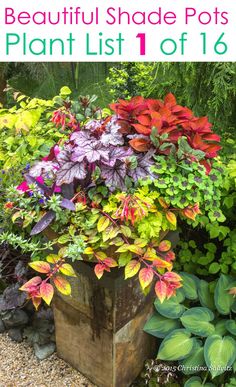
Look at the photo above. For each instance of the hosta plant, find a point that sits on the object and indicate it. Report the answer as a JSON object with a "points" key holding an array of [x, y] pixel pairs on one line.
{"points": [[111, 192], [198, 329]]}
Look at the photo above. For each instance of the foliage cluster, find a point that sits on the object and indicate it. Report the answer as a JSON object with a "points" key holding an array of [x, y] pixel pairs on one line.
{"points": [[114, 188], [198, 329]]}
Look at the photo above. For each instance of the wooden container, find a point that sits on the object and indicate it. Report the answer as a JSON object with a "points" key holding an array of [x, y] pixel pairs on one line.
{"points": [[99, 329]]}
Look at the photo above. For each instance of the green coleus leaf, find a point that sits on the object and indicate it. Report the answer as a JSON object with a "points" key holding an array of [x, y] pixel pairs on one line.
{"points": [[193, 361], [196, 320], [160, 326], [223, 300], [177, 345], [219, 353], [190, 286]]}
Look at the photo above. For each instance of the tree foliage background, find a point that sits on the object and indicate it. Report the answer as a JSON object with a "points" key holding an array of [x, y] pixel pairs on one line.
{"points": [[207, 88]]}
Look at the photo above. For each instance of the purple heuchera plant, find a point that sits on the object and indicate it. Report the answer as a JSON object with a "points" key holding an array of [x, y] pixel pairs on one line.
{"points": [[98, 146]]}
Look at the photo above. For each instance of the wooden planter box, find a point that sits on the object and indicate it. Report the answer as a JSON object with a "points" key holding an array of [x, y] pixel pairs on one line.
{"points": [[99, 329]]}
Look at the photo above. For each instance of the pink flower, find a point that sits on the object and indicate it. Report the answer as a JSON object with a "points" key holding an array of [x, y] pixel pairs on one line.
{"points": [[23, 187]]}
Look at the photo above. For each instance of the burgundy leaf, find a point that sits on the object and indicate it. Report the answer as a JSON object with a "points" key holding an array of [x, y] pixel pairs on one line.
{"points": [[44, 222], [32, 180], [65, 203], [69, 172], [68, 190]]}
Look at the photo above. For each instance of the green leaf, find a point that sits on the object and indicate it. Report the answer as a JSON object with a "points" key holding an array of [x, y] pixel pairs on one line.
{"points": [[160, 326], [194, 361], [170, 308], [177, 345], [64, 239], [103, 223], [220, 327], [233, 308], [205, 297], [124, 258], [196, 320], [196, 381], [223, 300], [65, 91], [219, 353], [190, 283], [231, 326], [214, 268]]}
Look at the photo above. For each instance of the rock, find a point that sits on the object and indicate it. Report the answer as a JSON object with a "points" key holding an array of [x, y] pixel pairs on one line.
{"points": [[2, 326], [15, 334], [44, 351], [15, 319]]}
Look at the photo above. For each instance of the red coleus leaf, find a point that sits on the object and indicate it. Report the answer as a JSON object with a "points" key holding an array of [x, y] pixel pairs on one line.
{"points": [[162, 264], [170, 291], [211, 150], [163, 203], [40, 266], [198, 142], [170, 100], [144, 120], [110, 262], [46, 292], [212, 137], [141, 129], [99, 270], [189, 213], [171, 217], [170, 256], [145, 277], [36, 302], [207, 165], [172, 277], [156, 120], [32, 284], [140, 144], [164, 246], [161, 290]]}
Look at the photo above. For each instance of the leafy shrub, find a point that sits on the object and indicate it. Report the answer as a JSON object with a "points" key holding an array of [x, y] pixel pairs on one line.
{"points": [[198, 328], [113, 201], [31, 127], [212, 252], [130, 79]]}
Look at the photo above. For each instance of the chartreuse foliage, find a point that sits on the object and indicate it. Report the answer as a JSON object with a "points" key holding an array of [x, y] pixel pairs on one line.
{"points": [[31, 127], [114, 188], [199, 332], [213, 252]]}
